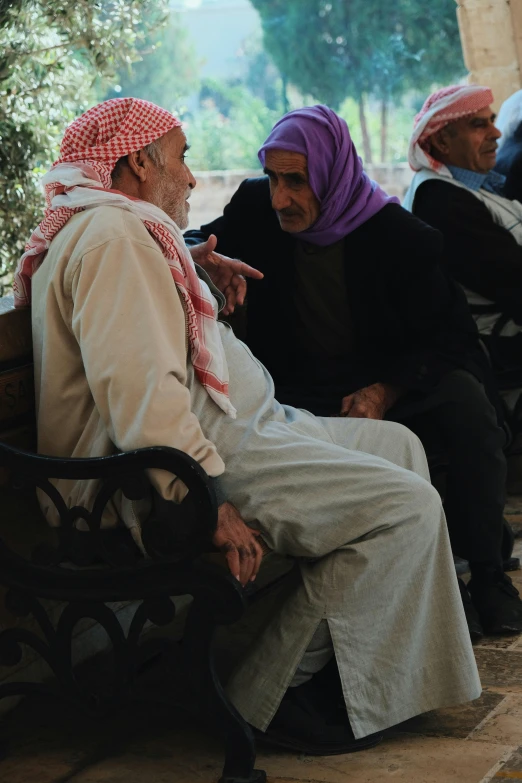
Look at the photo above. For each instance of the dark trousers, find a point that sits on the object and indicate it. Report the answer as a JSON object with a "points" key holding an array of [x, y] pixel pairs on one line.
{"points": [[457, 421]]}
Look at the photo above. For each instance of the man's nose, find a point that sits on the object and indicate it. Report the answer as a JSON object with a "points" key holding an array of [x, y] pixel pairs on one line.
{"points": [[281, 198], [192, 180], [496, 133]]}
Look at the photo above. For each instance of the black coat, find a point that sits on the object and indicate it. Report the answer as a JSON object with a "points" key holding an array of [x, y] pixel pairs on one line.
{"points": [[480, 253], [411, 322]]}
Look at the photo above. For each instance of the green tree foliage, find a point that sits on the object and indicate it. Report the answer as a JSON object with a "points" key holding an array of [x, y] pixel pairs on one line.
{"points": [[229, 128], [51, 54], [334, 49], [167, 71], [260, 74]]}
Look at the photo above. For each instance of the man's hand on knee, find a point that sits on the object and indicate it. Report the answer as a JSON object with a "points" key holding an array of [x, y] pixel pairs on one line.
{"points": [[371, 402], [238, 543]]}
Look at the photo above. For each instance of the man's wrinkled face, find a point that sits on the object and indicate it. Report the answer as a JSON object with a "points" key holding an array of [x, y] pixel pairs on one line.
{"points": [[293, 199], [470, 143], [171, 182]]}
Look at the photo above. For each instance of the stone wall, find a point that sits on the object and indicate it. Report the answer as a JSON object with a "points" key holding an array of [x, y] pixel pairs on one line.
{"points": [[491, 36], [215, 188]]}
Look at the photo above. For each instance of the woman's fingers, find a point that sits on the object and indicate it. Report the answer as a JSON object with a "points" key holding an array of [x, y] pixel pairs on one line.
{"points": [[244, 561], [232, 557], [246, 564], [258, 556]]}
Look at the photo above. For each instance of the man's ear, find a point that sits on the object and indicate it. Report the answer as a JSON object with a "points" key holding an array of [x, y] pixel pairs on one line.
{"points": [[137, 162], [439, 142]]}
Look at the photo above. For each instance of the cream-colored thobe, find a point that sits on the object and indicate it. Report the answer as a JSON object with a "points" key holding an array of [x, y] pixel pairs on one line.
{"points": [[349, 499]]}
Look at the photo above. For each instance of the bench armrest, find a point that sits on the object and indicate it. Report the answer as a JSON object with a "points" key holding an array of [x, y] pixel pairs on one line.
{"points": [[191, 523]]}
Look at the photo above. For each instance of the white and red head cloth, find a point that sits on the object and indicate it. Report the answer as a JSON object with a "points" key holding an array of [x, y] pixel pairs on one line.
{"points": [[441, 108], [81, 179]]}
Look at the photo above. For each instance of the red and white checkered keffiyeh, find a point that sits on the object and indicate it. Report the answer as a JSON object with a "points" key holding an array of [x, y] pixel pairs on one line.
{"points": [[441, 108], [81, 179]]}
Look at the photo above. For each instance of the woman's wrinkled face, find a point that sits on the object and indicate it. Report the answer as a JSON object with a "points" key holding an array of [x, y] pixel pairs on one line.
{"points": [[293, 199]]}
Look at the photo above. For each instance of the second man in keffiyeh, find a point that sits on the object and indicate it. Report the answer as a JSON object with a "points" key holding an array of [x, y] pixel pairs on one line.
{"points": [[455, 188]]}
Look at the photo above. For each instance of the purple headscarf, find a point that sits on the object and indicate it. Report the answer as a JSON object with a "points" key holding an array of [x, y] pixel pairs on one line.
{"points": [[348, 197]]}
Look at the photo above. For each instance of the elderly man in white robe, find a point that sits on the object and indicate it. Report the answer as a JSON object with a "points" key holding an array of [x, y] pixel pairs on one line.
{"points": [[129, 354]]}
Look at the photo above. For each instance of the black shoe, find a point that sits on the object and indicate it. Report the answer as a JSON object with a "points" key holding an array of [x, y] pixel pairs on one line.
{"points": [[300, 726], [497, 602], [513, 564], [462, 566], [472, 618]]}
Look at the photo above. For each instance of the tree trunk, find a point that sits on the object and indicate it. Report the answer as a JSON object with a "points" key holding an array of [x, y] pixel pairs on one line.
{"points": [[384, 129], [367, 149], [284, 94]]}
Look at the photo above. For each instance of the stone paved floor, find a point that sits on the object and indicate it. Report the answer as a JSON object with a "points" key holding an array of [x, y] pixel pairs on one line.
{"points": [[479, 742]]}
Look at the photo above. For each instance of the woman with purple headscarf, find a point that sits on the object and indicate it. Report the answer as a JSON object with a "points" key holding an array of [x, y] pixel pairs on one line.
{"points": [[353, 311], [346, 196], [355, 317]]}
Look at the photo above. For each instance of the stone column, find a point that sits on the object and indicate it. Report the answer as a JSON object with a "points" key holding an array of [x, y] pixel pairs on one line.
{"points": [[491, 36]]}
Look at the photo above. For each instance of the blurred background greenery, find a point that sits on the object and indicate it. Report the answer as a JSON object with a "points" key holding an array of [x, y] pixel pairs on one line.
{"points": [[229, 68]]}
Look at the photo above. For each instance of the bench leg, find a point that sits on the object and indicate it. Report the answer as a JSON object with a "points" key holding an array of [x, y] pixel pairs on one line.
{"points": [[240, 749], [240, 757]]}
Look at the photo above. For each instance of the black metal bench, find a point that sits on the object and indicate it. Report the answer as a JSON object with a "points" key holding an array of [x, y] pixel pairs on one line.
{"points": [[116, 575], [86, 568]]}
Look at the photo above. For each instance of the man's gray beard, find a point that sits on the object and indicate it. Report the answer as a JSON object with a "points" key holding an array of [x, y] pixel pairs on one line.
{"points": [[164, 201]]}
